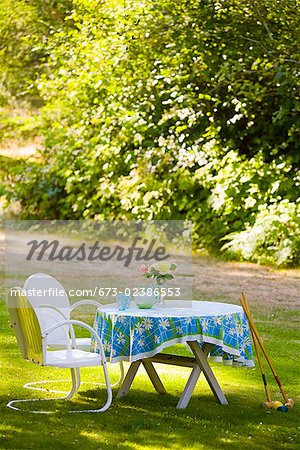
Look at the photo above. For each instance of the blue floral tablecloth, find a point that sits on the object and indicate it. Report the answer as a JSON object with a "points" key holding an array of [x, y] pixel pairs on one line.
{"points": [[135, 334]]}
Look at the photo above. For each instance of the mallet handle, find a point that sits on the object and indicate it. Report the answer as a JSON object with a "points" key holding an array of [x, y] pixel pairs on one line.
{"points": [[253, 327], [262, 371]]}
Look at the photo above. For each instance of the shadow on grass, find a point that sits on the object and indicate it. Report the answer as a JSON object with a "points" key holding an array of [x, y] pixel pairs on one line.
{"points": [[149, 420], [143, 419]]}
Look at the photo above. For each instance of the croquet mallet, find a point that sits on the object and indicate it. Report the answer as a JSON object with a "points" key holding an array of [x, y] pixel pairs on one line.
{"points": [[256, 338]]}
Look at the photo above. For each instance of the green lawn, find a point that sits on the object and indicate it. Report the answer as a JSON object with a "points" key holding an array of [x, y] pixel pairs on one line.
{"points": [[145, 420]]}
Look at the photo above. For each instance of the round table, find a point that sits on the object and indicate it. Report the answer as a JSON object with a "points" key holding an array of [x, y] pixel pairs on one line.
{"points": [[220, 330]]}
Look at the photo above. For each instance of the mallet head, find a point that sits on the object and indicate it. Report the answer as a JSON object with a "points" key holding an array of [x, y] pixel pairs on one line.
{"points": [[290, 403]]}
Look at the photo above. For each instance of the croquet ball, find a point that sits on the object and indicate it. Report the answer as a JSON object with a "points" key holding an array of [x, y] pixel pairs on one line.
{"points": [[283, 408], [275, 405]]}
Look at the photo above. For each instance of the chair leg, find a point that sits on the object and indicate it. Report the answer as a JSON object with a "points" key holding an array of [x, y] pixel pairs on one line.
{"points": [[75, 387], [75, 374], [32, 384], [109, 395], [117, 383], [121, 378], [108, 387], [78, 378]]}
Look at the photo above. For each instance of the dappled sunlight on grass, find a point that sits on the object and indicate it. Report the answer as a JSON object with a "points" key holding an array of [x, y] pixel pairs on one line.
{"points": [[145, 420]]}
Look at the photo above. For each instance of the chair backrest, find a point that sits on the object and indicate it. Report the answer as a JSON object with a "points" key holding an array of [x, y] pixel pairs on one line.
{"points": [[43, 289], [26, 326]]}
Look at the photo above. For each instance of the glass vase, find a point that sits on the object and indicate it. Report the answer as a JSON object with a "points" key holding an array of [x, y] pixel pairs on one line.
{"points": [[160, 296]]}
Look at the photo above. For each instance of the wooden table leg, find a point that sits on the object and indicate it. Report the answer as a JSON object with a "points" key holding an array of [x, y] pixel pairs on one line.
{"points": [[129, 377], [198, 365], [201, 359], [192, 381], [189, 387], [153, 375]]}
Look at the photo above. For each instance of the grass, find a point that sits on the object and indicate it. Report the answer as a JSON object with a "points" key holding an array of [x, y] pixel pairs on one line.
{"points": [[145, 420]]}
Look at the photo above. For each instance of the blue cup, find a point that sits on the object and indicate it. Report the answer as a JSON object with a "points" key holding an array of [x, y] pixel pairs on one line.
{"points": [[123, 301]]}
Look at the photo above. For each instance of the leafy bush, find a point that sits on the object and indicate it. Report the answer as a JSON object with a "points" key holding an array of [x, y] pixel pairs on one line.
{"points": [[171, 110], [25, 42], [24, 180], [19, 125], [273, 238]]}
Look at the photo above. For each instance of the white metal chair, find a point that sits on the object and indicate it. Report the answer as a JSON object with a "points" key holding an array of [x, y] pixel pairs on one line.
{"points": [[53, 306], [34, 336]]}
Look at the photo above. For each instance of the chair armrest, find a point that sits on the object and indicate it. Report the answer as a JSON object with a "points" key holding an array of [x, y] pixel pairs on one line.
{"points": [[85, 302], [81, 324]]}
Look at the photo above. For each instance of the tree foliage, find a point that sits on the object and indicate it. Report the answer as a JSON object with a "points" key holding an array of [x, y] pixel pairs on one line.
{"points": [[170, 110], [26, 29]]}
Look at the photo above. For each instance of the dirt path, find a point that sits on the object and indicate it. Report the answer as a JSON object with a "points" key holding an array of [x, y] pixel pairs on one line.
{"points": [[14, 150], [263, 285]]}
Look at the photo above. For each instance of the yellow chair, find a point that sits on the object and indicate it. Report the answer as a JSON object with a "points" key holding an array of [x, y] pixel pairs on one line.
{"points": [[33, 335]]}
